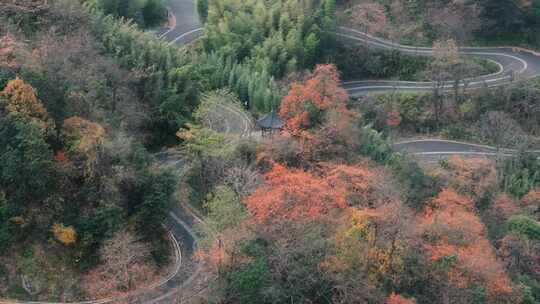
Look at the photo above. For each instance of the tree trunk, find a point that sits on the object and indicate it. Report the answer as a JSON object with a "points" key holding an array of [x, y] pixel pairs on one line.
{"points": [[114, 93]]}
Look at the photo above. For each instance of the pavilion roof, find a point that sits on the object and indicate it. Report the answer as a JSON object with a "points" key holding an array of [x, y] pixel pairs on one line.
{"points": [[270, 121]]}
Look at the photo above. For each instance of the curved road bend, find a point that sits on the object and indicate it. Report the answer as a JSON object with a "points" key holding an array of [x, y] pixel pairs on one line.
{"points": [[512, 62], [179, 222], [187, 27], [437, 148]]}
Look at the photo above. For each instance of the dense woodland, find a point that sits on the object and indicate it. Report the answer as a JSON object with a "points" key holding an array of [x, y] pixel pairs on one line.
{"points": [[322, 212], [75, 180], [497, 22], [146, 13]]}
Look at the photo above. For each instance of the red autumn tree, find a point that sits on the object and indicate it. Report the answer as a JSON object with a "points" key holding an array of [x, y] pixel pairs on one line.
{"points": [[531, 202], [8, 52], [501, 209], [532, 198], [124, 267], [222, 251], [393, 119], [337, 138], [370, 17], [356, 181], [316, 114], [294, 193], [520, 255], [305, 105], [454, 235], [397, 299], [472, 176]]}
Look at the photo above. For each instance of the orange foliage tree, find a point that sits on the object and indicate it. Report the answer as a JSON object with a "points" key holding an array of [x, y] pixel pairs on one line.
{"points": [[294, 193], [532, 198], [531, 201], [304, 107], [222, 251], [370, 17], [520, 255], [12, 52], [393, 119], [357, 182], [124, 267], [21, 101], [454, 236], [337, 138], [501, 209], [316, 114], [472, 176], [397, 299]]}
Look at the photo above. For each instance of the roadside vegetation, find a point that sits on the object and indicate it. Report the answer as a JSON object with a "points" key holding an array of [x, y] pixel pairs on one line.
{"points": [[77, 189], [421, 22], [322, 212], [145, 13], [356, 62], [504, 117], [332, 215]]}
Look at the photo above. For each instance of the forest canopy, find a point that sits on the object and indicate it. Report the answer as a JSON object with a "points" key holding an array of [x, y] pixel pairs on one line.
{"points": [[115, 144]]}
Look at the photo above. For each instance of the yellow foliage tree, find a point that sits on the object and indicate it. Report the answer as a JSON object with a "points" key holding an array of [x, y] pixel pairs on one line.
{"points": [[84, 138], [21, 100], [368, 249], [357, 244], [65, 235]]}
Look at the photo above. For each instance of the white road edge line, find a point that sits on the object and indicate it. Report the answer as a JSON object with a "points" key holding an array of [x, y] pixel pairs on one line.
{"points": [[178, 260], [186, 34], [461, 153], [170, 29], [412, 141], [429, 51]]}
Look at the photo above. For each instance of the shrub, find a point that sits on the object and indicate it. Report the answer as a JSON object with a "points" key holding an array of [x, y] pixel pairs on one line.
{"points": [[63, 234], [419, 186], [525, 226], [520, 174], [202, 10]]}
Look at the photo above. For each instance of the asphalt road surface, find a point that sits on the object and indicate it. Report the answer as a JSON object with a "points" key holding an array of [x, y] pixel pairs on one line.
{"points": [[512, 63], [187, 26]]}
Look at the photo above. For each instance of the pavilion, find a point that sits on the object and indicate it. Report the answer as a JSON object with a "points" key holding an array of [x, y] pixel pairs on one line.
{"points": [[270, 123]]}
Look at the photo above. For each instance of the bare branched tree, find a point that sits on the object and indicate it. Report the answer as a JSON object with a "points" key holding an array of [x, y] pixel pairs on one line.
{"points": [[243, 179], [443, 68], [23, 6], [120, 254], [123, 267]]}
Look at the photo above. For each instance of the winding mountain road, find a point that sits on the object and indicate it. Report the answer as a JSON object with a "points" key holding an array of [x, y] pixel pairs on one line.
{"points": [[512, 62], [186, 26]]}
